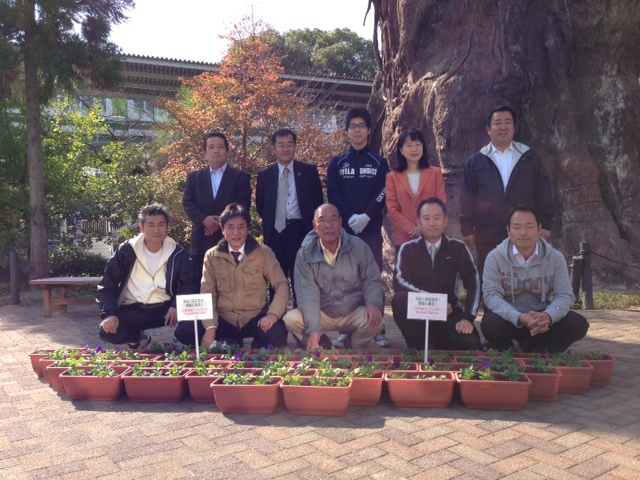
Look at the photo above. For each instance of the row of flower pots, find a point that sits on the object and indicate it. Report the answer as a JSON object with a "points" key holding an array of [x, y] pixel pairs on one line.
{"points": [[536, 379]]}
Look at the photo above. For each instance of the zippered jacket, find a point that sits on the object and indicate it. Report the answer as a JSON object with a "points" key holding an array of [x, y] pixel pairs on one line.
{"points": [[356, 182], [416, 272], [485, 202], [353, 281], [111, 289]]}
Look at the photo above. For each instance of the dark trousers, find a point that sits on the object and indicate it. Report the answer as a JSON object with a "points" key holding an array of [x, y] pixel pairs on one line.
{"points": [[276, 335], [442, 335], [558, 338], [374, 240], [198, 264], [133, 319], [285, 246]]}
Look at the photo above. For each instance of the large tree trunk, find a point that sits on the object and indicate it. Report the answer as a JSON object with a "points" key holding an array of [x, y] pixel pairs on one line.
{"points": [[39, 254], [570, 68]]}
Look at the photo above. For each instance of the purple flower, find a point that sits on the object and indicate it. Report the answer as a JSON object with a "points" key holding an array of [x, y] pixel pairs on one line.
{"points": [[270, 347], [117, 349], [430, 361], [317, 353], [175, 349], [239, 356], [99, 349], [396, 363], [485, 363], [369, 358], [413, 351], [87, 347]]}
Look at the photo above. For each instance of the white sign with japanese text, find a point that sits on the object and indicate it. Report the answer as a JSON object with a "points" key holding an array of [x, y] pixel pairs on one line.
{"points": [[427, 306], [194, 307]]}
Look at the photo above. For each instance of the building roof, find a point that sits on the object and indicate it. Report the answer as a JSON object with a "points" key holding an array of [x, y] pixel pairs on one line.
{"points": [[152, 77]]}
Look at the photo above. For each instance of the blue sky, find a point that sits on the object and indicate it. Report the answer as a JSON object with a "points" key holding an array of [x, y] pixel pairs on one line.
{"points": [[189, 29]]}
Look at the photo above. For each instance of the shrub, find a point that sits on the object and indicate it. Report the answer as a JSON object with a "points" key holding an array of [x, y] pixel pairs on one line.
{"points": [[71, 261]]}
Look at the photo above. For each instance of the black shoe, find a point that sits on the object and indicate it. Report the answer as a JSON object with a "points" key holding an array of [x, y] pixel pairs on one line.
{"points": [[325, 342]]}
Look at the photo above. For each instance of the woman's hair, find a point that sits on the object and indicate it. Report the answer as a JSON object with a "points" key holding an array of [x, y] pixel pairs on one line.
{"points": [[404, 138]]}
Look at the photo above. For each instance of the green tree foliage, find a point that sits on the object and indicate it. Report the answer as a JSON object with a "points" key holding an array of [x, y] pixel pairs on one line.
{"points": [[85, 179], [340, 52], [55, 43]]}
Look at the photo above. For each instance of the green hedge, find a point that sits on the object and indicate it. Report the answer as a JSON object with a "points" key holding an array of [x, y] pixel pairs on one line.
{"points": [[71, 261]]}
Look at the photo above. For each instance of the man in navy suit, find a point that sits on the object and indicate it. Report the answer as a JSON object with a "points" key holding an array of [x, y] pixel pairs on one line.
{"points": [[285, 225], [207, 192]]}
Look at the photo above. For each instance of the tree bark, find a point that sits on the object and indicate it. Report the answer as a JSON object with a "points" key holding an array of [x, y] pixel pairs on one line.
{"points": [[570, 68], [39, 254]]}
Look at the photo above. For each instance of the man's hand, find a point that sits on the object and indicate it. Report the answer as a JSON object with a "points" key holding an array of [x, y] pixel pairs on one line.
{"points": [[268, 321], [313, 343], [470, 240], [449, 309], [542, 323], [209, 337], [536, 322], [211, 225], [464, 326], [110, 324], [546, 234], [373, 317], [359, 222], [415, 233], [171, 318]]}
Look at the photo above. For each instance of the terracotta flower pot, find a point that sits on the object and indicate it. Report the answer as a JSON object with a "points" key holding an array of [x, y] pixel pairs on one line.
{"points": [[366, 391], [420, 393], [35, 358], [602, 370], [163, 389], [200, 386], [310, 400], [498, 394], [87, 387], [53, 374], [247, 398], [575, 379], [544, 386]]}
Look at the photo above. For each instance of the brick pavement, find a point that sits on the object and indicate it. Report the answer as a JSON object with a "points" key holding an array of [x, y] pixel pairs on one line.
{"points": [[45, 435]]}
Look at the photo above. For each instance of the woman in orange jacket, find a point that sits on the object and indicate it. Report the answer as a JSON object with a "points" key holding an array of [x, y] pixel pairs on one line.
{"points": [[412, 181]]}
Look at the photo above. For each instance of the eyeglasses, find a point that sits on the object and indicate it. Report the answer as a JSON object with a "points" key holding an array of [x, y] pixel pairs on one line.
{"points": [[357, 126]]}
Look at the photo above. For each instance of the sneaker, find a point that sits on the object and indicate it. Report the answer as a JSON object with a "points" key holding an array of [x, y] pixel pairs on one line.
{"points": [[382, 341], [343, 341], [142, 343]]}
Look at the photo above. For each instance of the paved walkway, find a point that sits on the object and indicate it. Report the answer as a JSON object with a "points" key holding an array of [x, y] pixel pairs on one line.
{"points": [[45, 435]]}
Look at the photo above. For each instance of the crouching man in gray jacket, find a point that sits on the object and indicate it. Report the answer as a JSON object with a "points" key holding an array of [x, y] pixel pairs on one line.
{"points": [[337, 283], [527, 291]]}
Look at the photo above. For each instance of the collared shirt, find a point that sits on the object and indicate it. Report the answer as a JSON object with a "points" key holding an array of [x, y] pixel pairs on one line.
{"points": [[328, 256], [505, 161], [520, 258], [241, 250], [216, 178], [293, 207], [437, 244]]}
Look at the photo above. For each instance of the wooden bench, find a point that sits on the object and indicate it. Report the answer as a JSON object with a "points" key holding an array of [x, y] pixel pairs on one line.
{"points": [[63, 283]]}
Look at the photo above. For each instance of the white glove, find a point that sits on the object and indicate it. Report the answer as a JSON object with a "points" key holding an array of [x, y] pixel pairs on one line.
{"points": [[359, 222]]}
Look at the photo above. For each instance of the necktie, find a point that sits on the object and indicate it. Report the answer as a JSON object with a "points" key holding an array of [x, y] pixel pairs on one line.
{"points": [[432, 251], [236, 257], [281, 202]]}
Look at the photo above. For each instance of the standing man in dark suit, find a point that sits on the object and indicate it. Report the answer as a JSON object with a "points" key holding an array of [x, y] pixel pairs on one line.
{"points": [[207, 192], [287, 194]]}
